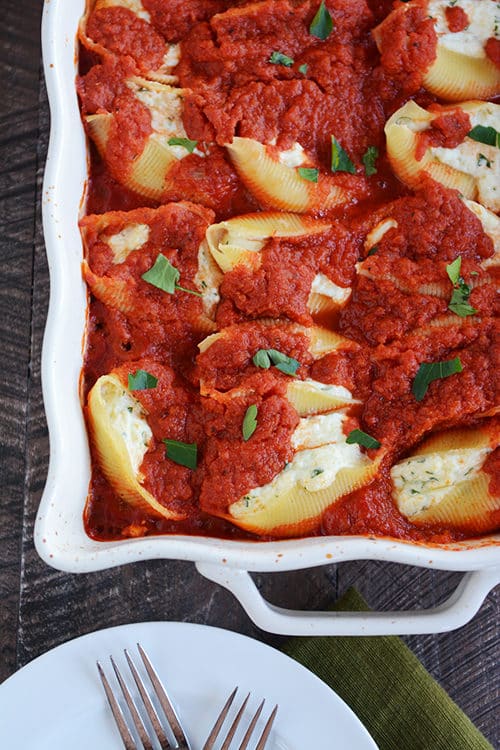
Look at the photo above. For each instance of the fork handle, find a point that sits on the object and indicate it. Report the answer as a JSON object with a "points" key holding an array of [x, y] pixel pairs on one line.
{"points": [[456, 611]]}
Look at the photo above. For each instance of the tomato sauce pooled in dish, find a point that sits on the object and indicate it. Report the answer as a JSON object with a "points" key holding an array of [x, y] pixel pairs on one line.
{"points": [[410, 272]]}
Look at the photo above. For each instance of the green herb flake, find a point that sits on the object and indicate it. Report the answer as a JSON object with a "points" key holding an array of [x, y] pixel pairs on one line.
{"points": [[362, 438], [317, 472], [487, 135], [322, 23], [308, 174], [372, 251], [184, 454], [369, 159], [249, 422], [482, 161], [141, 381], [429, 371], [303, 69], [278, 58], [340, 160], [165, 276], [453, 270], [186, 143], [459, 299], [266, 357], [261, 359]]}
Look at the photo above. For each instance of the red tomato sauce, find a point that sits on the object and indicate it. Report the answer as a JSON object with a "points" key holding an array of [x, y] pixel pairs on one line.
{"points": [[457, 18], [396, 318]]}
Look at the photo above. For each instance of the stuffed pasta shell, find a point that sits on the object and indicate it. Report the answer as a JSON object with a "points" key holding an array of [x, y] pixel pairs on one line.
{"points": [[457, 146], [450, 48], [446, 481]]}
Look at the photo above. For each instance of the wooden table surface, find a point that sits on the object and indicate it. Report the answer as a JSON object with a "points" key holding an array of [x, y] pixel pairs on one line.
{"points": [[41, 607]]}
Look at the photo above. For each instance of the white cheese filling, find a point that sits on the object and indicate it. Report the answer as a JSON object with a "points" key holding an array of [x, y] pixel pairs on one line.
{"points": [[127, 417], [293, 157], [421, 482], [131, 238], [484, 22]]}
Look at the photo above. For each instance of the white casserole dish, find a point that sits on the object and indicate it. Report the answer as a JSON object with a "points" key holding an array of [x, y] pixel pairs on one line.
{"points": [[60, 536]]}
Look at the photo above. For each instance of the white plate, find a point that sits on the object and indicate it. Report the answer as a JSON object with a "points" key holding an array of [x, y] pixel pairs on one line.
{"points": [[57, 702]]}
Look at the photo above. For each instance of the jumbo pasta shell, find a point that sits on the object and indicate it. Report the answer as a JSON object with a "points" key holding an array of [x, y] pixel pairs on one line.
{"points": [[401, 132], [98, 127], [311, 397], [455, 77], [149, 171], [276, 185], [121, 436], [238, 241], [442, 483], [491, 226], [286, 509], [113, 292]]}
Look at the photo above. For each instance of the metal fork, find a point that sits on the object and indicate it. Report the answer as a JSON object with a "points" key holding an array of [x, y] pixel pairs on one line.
{"points": [[262, 741], [146, 736]]}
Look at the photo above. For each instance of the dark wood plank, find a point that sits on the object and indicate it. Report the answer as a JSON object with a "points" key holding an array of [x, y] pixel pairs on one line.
{"points": [[19, 81]]}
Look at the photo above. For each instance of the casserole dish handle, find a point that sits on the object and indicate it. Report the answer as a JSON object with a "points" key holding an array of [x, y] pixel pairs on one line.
{"points": [[456, 611]]}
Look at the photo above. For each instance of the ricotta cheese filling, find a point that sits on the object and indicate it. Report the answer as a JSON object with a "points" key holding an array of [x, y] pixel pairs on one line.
{"points": [[484, 23], [293, 157], [125, 242], [323, 285], [423, 481], [127, 416]]}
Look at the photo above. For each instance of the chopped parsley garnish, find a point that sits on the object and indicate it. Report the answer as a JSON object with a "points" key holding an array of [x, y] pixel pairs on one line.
{"points": [[322, 23], [459, 299], [340, 159], [362, 438], [483, 161], [165, 276], [249, 422], [303, 69], [369, 158], [141, 381], [187, 143], [266, 357], [278, 58], [317, 472], [487, 135], [308, 173], [429, 371], [184, 454]]}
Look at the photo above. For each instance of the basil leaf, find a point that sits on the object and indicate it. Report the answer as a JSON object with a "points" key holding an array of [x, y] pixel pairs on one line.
{"points": [[187, 143], [322, 24], [487, 135], [340, 160], [162, 274], [265, 357], [453, 270], [458, 303], [184, 454], [362, 438], [261, 359], [278, 58], [303, 69], [141, 381], [165, 276], [308, 173], [372, 251], [249, 422], [369, 158], [429, 371]]}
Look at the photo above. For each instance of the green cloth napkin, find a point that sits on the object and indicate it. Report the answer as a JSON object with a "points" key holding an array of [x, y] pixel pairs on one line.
{"points": [[387, 687]]}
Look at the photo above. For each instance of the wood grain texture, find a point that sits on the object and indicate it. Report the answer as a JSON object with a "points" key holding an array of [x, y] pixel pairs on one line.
{"points": [[18, 137], [41, 607]]}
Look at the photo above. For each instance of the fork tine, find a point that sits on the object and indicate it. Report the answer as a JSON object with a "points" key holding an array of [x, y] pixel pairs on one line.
{"points": [[234, 725], [220, 721], [153, 716], [165, 702], [136, 717], [117, 712], [249, 732], [267, 730]]}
